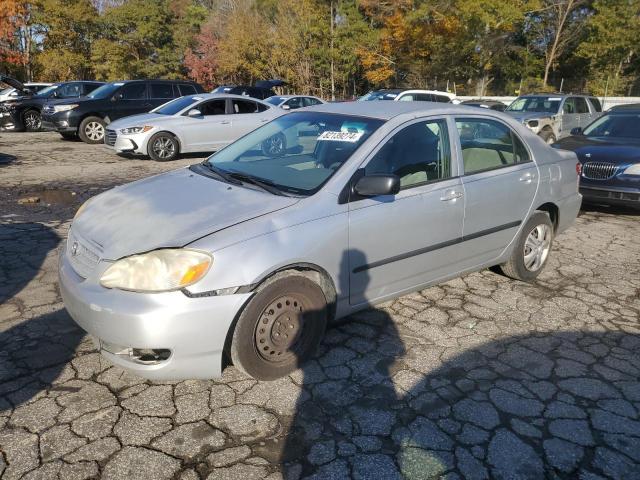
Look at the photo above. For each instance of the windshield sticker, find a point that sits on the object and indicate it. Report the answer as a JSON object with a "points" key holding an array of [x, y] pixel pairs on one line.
{"points": [[351, 137]]}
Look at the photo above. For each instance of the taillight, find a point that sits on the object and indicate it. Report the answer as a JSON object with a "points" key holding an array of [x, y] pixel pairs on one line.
{"points": [[578, 168]]}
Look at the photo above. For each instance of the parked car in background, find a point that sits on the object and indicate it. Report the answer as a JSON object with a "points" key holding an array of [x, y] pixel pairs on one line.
{"points": [[293, 102], [490, 104], [553, 116], [254, 92], [25, 113], [404, 95], [251, 254], [88, 116], [625, 106], [29, 88], [223, 88], [609, 151], [193, 123]]}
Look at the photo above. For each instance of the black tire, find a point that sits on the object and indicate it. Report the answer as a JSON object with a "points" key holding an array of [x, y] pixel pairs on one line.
{"points": [[92, 130], [288, 304], [518, 266], [68, 136], [548, 136], [275, 146], [31, 120], [163, 147]]}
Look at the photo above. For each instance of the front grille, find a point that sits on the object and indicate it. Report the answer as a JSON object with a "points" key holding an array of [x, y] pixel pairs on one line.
{"points": [[82, 258], [598, 170], [48, 110], [110, 137]]}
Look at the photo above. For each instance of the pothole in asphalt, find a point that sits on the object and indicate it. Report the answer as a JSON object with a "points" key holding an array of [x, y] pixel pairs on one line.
{"points": [[49, 197]]}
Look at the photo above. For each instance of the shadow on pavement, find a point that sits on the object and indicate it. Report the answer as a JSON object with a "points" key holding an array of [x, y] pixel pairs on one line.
{"points": [[379, 403]]}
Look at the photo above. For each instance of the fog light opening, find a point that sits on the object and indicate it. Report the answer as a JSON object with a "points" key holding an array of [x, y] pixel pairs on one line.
{"points": [[150, 356]]}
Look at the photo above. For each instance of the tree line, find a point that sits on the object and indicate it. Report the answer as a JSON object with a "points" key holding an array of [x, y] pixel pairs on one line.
{"points": [[332, 48]]}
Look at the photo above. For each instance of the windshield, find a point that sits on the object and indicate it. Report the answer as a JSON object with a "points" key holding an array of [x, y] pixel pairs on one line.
{"points": [[535, 104], [175, 106], [275, 100], [615, 126], [373, 96], [105, 90], [297, 153], [45, 92]]}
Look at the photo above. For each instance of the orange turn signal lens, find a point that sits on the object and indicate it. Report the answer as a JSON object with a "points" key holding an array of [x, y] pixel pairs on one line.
{"points": [[194, 273]]}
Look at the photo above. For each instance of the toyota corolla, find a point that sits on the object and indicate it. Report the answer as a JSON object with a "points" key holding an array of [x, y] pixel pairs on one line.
{"points": [[248, 255]]}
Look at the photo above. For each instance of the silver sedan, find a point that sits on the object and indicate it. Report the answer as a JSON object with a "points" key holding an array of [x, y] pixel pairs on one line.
{"points": [[293, 102], [249, 255], [193, 123]]}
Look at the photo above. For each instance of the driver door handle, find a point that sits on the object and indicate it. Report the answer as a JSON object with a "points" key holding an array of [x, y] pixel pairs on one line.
{"points": [[451, 195]]}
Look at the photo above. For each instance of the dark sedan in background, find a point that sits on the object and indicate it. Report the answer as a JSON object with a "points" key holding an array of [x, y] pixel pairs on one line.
{"points": [[489, 104], [609, 151]]}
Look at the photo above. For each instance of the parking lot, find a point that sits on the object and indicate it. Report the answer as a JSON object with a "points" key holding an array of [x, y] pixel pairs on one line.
{"points": [[481, 377]]}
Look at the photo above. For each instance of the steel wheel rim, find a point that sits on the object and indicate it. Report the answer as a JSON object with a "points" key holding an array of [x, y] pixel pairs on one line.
{"points": [[32, 121], [94, 131], [163, 147], [279, 332], [275, 145], [536, 247]]}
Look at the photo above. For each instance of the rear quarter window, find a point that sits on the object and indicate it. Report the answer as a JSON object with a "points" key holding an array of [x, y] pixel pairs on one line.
{"points": [[595, 103], [161, 90], [187, 89]]}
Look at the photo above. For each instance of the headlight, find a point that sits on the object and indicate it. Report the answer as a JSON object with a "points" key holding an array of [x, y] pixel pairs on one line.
{"points": [[130, 130], [64, 108], [632, 170], [158, 271], [533, 123]]}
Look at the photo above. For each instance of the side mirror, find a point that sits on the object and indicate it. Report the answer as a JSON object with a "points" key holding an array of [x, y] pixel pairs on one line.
{"points": [[378, 184], [576, 131], [194, 113], [286, 107]]}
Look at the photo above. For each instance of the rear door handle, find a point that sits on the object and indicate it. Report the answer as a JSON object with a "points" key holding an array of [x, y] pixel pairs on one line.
{"points": [[451, 195], [527, 178], [226, 122]]}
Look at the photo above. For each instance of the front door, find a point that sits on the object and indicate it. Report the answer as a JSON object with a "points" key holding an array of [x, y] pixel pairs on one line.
{"points": [[209, 131], [500, 181], [570, 116], [399, 242]]}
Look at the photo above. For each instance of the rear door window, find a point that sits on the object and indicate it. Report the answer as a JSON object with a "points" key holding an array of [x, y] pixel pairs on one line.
{"points": [[244, 106], [597, 107], [187, 89], [134, 91], [581, 105], [160, 90], [90, 87], [488, 144]]}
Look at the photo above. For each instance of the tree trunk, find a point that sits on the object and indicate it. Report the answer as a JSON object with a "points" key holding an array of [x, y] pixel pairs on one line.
{"points": [[568, 6]]}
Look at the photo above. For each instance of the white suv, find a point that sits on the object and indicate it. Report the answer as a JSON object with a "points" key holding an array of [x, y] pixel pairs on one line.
{"points": [[400, 95]]}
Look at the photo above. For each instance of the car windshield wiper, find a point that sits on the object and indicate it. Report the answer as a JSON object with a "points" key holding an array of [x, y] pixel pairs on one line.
{"points": [[220, 174], [266, 185]]}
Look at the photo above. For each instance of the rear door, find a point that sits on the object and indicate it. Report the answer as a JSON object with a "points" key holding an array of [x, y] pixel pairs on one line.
{"points": [[570, 116], [209, 131], [500, 181], [399, 242], [247, 116], [132, 99], [582, 109]]}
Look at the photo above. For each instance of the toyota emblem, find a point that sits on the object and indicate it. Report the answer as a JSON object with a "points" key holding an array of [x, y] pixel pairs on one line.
{"points": [[74, 249]]}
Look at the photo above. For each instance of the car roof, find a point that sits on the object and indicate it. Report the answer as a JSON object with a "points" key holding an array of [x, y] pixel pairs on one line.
{"points": [[207, 96], [625, 108], [292, 96], [391, 109], [161, 80]]}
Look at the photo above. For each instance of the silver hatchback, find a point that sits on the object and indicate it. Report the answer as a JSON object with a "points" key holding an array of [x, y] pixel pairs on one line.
{"points": [[249, 254]]}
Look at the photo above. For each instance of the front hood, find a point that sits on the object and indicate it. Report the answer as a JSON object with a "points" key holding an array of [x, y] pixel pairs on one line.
{"points": [[169, 210], [13, 83], [142, 119], [525, 116], [618, 151]]}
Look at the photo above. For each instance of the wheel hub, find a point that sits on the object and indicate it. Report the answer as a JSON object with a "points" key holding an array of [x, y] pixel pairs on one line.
{"points": [[536, 247], [278, 329]]}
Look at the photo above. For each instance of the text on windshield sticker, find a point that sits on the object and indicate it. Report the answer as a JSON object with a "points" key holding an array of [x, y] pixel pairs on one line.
{"points": [[351, 137]]}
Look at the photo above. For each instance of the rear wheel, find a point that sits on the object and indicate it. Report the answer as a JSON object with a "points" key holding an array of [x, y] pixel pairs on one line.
{"points": [[532, 250], [92, 130], [31, 120], [548, 136], [163, 147], [280, 327]]}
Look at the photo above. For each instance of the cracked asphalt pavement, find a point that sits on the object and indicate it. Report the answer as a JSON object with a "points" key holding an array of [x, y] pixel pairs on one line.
{"points": [[480, 377]]}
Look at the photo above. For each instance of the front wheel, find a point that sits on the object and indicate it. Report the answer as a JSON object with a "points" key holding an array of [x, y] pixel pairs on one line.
{"points": [[280, 327], [92, 130], [163, 147], [31, 120], [532, 250]]}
